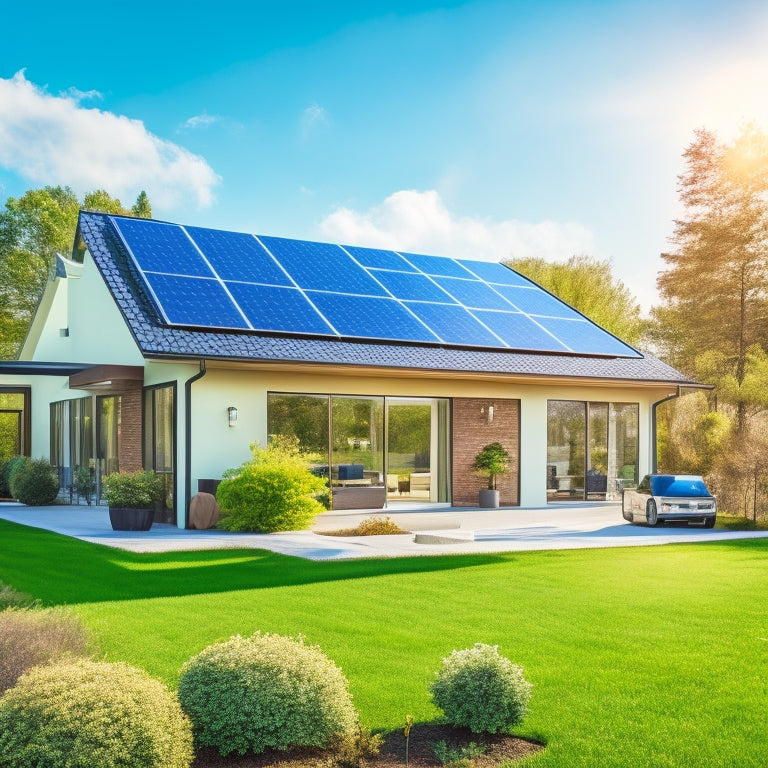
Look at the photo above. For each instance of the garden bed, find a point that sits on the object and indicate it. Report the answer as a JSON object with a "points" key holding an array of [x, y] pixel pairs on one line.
{"points": [[500, 749]]}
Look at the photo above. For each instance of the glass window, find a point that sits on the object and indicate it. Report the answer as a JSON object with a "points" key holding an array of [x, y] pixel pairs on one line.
{"points": [[108, 426], [71, 438], [357, 446], [159, 446], [14, 422], [592, 449], [346, 440]]}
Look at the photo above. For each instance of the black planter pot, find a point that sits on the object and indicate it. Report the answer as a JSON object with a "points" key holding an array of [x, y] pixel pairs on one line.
{"points": [[128, 519]]}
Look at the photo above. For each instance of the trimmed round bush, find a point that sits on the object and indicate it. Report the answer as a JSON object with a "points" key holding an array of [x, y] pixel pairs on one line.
{"points": [[31, 636], [478, 689], [35, 483], [266, 691], [88, 714]]}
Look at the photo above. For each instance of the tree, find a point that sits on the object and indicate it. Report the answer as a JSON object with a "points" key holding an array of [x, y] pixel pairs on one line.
{"points": [[33, 229], [588, 285], [141, 208], [715, 283]]}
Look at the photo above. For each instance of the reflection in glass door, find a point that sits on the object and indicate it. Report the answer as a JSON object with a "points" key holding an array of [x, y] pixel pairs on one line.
{"points": [[417, 449]]}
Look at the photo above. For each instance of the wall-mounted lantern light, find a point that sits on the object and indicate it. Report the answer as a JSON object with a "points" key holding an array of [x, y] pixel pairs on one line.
{"points": [[487, 412], [232, 415]]}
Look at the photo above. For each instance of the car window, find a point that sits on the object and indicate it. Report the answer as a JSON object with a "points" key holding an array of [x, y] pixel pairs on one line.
{"points": [[645, 485], [678, 485]]}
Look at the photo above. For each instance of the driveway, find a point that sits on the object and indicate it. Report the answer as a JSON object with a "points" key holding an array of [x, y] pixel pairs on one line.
{"points": [[436, 531]]}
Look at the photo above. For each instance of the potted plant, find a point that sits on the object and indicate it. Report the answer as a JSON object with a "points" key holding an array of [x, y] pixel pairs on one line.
{"points": [[492, 461], [131, 497]]}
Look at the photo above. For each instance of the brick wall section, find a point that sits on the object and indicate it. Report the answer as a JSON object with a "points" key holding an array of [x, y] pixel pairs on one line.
{"points": [[471, 432], [129, 453]]}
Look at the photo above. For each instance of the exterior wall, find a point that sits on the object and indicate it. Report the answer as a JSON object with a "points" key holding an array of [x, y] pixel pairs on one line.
{"points": [[471, 432], [129, 450], [216, 446], [97, 332]]}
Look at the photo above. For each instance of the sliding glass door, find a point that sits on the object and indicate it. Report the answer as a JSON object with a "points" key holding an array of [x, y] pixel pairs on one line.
{"points": [[592, 449]]}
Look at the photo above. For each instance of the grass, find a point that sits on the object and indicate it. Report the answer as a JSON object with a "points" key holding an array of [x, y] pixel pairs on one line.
{"points": [[740, 523], [648, 656]]}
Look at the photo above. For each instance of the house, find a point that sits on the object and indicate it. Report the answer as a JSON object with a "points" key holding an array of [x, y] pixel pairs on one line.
{"points": [[175, 347]]}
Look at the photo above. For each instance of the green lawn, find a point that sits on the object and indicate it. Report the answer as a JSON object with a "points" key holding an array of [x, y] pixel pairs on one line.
{"points": [[648, 656]]}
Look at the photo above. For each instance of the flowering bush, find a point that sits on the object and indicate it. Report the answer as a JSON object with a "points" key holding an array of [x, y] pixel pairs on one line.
{"points": [[88, 714], [266, 691], [478, 689], [132, 490], [275, 491], [29, 637]]}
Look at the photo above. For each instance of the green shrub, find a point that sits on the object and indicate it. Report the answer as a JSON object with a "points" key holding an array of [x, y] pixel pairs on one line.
{"points": [[29, 637], [10, 472], [34, 482], [12, 598], [478, 689], [132, 490], [266, 691], [272, 492], [87, 714], [5, 469]]}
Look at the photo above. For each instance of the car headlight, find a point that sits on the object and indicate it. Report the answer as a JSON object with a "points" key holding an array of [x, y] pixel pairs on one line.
{"points": [[665, 509]]}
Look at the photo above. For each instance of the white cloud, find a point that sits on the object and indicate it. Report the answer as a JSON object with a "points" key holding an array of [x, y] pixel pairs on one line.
{"points": [[311, 118], [53, 140], [79, 95], [410, 220], [200, 121]]}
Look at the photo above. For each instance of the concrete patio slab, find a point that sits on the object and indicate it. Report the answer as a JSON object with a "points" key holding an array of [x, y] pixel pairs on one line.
{"points": [[450, 531]]}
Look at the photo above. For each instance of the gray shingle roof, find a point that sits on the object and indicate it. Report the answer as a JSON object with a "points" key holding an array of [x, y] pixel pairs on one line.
{"points": [[157, 340]]}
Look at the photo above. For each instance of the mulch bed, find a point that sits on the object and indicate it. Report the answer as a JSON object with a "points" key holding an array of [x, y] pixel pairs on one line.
{"points": [[392, 755]]}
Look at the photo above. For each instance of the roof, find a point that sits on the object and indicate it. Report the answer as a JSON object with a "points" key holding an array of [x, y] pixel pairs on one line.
{"points": [[156, 339]]}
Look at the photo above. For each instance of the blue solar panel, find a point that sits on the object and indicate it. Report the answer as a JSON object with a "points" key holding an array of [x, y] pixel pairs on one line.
{"points": [[237, 256], [583, 335], [194, 301], [519, 331], [534, 301], [473, 293], [454, 325], [272, 308], [158, 247], [378, 259], [370, 317], [322, 267], [362, 293], [413, 287], [494, 273], [437, 265]]}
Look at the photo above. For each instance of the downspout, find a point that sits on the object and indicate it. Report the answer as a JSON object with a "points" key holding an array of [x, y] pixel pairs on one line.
{"points": [[188, 438], [654, 406]]}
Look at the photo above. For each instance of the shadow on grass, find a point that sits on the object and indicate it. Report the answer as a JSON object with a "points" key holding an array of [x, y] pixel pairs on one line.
{"points": [[58, 569]]}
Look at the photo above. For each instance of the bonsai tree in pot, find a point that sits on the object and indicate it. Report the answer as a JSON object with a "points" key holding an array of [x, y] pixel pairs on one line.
{"points": [[131, 497], [492, 461]]}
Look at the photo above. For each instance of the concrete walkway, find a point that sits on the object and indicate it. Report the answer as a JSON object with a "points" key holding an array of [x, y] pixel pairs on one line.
{"points": [[433, 531]]}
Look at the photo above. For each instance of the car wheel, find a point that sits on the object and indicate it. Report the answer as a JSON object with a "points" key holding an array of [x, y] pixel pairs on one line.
{"points": [[651, 514], [709, 522]]}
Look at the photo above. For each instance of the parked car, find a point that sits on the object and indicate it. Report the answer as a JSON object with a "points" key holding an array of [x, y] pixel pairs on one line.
{"points": [[659, 498]]}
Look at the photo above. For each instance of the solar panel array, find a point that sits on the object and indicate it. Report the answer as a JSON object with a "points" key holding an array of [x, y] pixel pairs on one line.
{"points": [[204, 278]]}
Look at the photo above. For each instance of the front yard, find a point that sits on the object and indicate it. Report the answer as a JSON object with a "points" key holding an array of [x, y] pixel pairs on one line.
{"points": [[652, 656]]}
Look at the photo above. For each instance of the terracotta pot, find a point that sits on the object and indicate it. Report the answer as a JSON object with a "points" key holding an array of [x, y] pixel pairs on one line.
{"points": [[129, 519]]}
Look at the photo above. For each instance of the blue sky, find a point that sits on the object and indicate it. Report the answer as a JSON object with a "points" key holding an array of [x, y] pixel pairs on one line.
{"points": [[482, 129]]}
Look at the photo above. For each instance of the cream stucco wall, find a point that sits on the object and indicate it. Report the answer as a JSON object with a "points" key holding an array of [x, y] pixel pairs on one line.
{"points": [[216, 446], [97, 332]]}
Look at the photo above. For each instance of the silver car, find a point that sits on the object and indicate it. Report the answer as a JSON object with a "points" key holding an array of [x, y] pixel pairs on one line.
{"points": [[659, 498]]}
